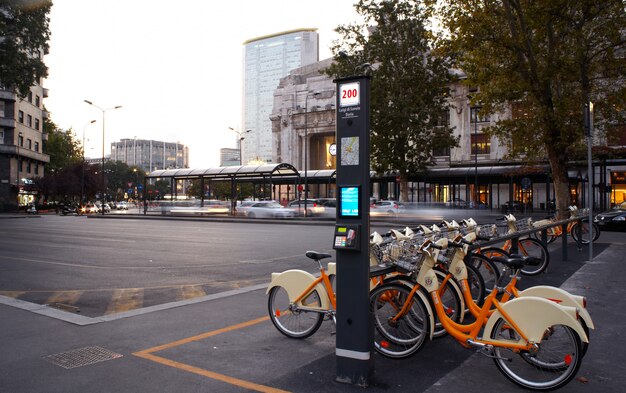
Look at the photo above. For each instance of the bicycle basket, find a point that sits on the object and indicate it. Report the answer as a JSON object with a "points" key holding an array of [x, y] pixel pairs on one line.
{"points": [[523, 224]]}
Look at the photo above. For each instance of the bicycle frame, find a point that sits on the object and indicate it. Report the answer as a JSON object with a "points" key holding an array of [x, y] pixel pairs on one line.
{"points": [[294, 280], [529, 316]]}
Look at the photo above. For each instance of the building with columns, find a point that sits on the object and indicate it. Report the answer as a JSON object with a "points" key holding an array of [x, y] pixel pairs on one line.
{"points": [[477, 173]]}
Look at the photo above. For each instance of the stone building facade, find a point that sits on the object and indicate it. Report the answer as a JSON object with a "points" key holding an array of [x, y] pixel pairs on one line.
{"points": [[475, 174]]}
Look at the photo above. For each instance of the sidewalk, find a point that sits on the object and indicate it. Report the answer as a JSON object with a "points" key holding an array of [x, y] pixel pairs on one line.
{"points": [[227, 344]]}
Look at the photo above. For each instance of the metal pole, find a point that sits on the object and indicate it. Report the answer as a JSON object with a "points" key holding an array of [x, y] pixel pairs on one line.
{"points": [[17, 172], [590, 182], [306, 148]]}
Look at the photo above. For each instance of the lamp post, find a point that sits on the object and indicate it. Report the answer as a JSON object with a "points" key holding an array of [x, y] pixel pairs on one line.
{"points": [[306, 147], [17, 170], [82, 180], [475, 109], [102, 169], [241, 138]]}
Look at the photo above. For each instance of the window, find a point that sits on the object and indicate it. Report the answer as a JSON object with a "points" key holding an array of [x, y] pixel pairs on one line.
{"points": [[37, 101], [36, 169], [20, 117], [37, 146], [442, 152], [37, 124], [481, 144], [20, 141], [29, 120], [29, 144], [2, 108], [19, 166], [30, 96], [28, 167], [481, 118], [1, 136]]}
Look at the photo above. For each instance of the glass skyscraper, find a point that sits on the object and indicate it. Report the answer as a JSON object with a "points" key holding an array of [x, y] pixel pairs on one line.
{"points": [[266, 60]]}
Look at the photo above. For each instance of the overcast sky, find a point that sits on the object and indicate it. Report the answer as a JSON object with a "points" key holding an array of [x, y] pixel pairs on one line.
{"points": [[173, 66]]}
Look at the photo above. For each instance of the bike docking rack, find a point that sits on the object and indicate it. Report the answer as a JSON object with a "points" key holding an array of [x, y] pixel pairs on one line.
{"points": [[488, 235], [526, 227]]}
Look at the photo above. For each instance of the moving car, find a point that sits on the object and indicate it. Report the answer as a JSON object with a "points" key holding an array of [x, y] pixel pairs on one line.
{"points": [[612, 219], [313, 207], [265, 209], [385, 208]]}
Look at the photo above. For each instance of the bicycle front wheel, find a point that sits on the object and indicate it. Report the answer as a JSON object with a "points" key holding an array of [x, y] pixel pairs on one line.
{"points": [[553, 365], [289, 318], [399, 331], [486, 268], [535, 248]]}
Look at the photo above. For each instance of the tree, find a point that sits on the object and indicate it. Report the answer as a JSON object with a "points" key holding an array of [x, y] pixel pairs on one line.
{"points": [[542, 60], [409, 110], [24, 33], [62, 147]]}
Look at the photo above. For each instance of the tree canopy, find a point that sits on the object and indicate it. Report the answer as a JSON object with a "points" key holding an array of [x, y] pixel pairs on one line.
{"points": [[409, 109], [541, 61], [24, 36]]}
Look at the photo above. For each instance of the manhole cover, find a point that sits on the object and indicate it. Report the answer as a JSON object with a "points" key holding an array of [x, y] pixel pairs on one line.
{"points": [[82, 357]]}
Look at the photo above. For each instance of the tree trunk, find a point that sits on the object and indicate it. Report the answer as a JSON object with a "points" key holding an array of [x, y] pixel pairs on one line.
{"points": [[560, 180], [404, 188]]}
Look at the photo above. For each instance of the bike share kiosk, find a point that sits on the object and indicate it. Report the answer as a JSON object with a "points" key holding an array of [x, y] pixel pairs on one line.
{"points": [[355, 335]]}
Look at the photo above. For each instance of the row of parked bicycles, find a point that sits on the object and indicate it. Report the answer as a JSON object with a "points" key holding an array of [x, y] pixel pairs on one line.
{"points": [[427, 282]]}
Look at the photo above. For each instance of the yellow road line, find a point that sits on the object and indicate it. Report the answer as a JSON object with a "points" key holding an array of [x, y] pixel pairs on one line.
{"points": [[125, 300], [65, 297], [149, 354], [191, 291], [210, 374]]}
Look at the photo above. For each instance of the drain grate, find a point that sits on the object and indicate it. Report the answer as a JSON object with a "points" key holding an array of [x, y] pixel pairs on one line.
{"points": [[82, 357]]}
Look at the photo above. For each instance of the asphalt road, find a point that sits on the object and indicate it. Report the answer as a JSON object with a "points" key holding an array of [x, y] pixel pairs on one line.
{"points": [[100, 266]]}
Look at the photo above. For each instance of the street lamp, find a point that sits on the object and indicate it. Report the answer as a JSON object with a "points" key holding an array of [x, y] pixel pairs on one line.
{"points": [[17, 169], [306, 147], [475, 109], [82, 181], [241, 138], [102, 174]]}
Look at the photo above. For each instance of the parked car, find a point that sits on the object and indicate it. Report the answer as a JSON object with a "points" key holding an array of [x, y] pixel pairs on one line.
{"points": [[122, 205], [386, 208], [210, 207], [265, 209], [31, 209], [612, 219], [313, 207], [512, 207]]}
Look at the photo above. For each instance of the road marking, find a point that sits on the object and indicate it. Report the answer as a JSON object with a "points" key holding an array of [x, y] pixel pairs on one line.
{"points": [[13, 294], [125, 300], [149, 355], [65, 297], [191, 291]]}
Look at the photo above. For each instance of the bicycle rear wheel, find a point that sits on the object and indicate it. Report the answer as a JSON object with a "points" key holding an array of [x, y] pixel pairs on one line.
{"points": [[398, 335], [584, 230], [555, 363], [291, 320]]}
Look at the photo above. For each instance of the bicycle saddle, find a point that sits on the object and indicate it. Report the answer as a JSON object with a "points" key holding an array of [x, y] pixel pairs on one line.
{"points": [[317, 255], [517, 261]]}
